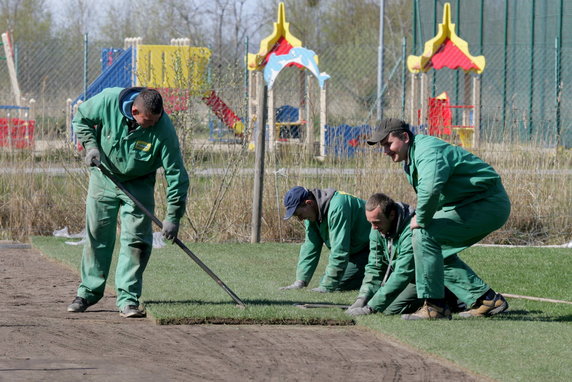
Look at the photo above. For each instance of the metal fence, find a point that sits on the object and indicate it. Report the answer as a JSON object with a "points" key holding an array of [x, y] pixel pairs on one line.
{"points": [[525, 93]]}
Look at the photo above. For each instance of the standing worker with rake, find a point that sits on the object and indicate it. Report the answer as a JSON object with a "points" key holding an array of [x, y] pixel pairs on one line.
{"points": [[127, 132]]}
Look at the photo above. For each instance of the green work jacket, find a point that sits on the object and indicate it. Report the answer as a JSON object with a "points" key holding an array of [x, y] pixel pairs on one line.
{"points": [[343, 228], [129, 155], [402, 270], [445, 176]]}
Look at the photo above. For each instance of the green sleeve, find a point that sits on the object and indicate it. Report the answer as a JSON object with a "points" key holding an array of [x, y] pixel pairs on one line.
{"points": [[376, 266], [434, 171], [176, 177], [339, 225], [403, 273], [88, 116], [309, 253]]}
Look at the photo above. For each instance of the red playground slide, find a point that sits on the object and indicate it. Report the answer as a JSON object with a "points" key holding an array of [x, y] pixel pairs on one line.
{"points": [[223, 112]]}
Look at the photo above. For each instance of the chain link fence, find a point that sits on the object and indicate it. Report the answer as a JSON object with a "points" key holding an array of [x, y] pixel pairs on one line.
{"points": [[524, 101]]}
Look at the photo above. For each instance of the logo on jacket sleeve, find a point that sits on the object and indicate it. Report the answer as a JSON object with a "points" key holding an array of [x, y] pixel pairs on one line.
{"points": [[142, 146]]}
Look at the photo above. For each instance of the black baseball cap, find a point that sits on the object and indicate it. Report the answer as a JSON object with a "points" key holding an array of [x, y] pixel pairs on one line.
{"points": [[385, 127]]}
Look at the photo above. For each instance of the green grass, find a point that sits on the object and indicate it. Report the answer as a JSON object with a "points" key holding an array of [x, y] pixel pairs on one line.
{"points": [[532, 341], [177, 291]]}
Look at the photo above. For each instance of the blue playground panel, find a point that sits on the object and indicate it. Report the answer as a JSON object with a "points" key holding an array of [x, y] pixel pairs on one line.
{"points": [[285, 114], [344, 141], [116, 72]]}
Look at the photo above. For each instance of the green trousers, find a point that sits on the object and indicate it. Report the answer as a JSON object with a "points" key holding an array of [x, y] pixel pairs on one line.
{"points": [[355, 270], [452, 230], [405, 302], [408, 302], [104, 203]]}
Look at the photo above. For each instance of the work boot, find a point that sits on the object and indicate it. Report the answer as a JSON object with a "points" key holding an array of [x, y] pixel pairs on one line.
{"points": [[132, 311], [429, 311], [486, 306], [78, 305]]}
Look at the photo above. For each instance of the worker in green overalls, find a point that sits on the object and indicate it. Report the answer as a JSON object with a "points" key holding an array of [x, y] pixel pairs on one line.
{"points": [[334, 219], [389, 282], [127, 131], [460, 200]]}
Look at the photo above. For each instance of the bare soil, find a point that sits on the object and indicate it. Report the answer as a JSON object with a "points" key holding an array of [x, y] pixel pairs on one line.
{"points": [[40, 341]]}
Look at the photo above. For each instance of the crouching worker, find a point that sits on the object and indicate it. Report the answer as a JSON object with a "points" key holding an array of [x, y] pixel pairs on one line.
{"points": [[126, 131], [388, 285], [334, 219]]}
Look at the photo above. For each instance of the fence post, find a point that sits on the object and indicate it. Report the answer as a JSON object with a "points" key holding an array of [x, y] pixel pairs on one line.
{"points": [[85, 57], [259, 161], [380, 64], [403, 76], [323, 118], [531, 82], [557, 88]]}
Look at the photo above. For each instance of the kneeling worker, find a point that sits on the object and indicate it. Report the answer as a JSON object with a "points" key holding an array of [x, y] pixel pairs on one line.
{"points": [[337, 220], [388, 284]]}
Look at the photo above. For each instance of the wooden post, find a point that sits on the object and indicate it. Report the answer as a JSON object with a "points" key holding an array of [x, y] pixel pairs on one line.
{"points": [[323, 121], [477, 110], [271, 124], [259, 166], [251, 103], [413, 117], [309, 137], [424, 93], [11, 68]]}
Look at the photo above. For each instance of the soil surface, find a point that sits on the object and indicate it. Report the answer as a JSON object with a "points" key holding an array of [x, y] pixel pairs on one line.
{"points": [[41, 341]]}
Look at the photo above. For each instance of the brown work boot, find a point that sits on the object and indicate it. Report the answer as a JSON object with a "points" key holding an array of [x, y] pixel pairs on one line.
{"points": [[486, 308], [429, 311]]}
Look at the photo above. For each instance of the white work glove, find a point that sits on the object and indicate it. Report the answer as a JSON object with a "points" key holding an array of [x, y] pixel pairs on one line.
{"points": [[298, 284], [360, 303], [360, 311], [90, 155], [320, 290], [170, 230]]}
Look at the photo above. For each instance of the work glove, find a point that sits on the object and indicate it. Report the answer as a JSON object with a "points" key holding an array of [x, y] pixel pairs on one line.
{"points": [[360, 303], [319, 290], [90, 155], [170, 230], [360, 311], [298, 284]]}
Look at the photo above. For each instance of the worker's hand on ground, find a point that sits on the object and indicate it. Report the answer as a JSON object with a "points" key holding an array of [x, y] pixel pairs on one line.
{"points": [[360, 303], [360, 311], [298, 284], [170, 230], [319, 290], [90, 155]]}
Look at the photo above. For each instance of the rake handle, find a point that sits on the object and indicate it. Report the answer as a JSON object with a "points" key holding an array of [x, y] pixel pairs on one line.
{"points": [[176, 241]]}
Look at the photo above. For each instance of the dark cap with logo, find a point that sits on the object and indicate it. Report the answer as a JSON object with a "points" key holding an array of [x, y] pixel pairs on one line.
{"points": [[293, 198], [388, 125]]}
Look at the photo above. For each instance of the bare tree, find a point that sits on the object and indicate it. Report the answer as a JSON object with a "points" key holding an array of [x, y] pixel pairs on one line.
{"points": [[27, 20]]}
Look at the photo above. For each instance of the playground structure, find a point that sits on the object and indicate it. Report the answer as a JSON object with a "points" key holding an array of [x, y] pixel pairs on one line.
{"points": [[286, 124], [17, 122], [435, 116], [178, 71]]}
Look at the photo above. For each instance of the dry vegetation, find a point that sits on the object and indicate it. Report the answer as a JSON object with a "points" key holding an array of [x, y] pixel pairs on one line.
{"points": [[42, 192]]}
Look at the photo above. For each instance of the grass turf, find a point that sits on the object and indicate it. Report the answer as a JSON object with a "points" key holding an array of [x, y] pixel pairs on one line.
{"points": [[529, 342]]}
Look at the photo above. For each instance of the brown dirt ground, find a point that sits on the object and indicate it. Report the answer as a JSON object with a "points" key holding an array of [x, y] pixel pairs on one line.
{"points": [[40, 341]]}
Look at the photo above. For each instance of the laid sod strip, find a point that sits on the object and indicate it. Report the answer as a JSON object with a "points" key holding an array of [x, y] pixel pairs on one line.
{"points": [[177, 291]]}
